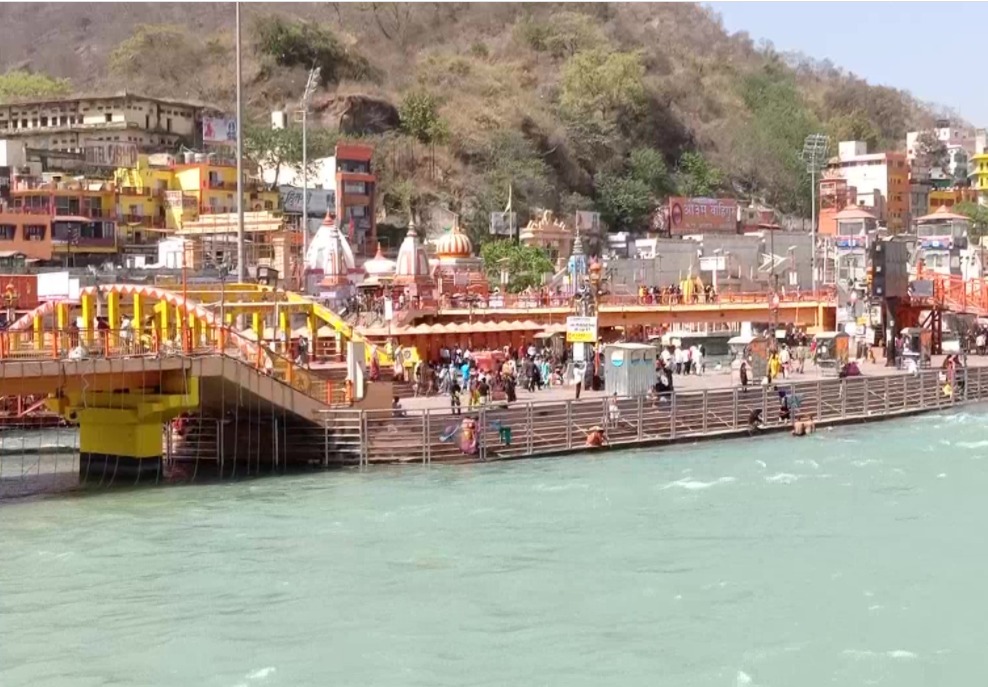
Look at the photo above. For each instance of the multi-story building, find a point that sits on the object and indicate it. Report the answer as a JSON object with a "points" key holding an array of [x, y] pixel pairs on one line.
{"points": [[978, 176], [948, 197], [107, 129], [881, 180], [348, 177], [82, 215], [25, 234], [835, 195]]}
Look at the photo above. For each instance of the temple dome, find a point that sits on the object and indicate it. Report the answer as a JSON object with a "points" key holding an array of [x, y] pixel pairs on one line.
{"points": [[379, 266], [454, 244], [412, 263], [329, 251]]}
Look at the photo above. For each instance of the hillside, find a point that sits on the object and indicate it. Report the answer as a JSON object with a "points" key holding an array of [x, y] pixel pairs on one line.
{"points": [[579, 105]]}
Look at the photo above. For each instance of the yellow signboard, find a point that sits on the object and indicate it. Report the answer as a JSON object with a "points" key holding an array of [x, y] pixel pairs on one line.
{"points": [[581, 329]]}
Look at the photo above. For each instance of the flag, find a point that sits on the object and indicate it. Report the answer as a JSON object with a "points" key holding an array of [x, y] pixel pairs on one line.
{"points": [[507, 208]]}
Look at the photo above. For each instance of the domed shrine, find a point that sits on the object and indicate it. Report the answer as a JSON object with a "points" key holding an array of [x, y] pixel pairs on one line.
{"points": [[330, 255], [457, 269], [412, 271], [550, 234], [379, 268]]}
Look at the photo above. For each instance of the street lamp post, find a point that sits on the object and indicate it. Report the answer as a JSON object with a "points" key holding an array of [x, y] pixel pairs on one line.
{"points": [[310, 87], [241, 252], [815, 156]]}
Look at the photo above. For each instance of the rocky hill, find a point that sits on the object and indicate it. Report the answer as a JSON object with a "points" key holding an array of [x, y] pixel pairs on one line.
{"points": [[578, 105]]}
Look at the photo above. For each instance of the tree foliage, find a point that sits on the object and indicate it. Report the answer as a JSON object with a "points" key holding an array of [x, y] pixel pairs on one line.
{"points": [[624, 202], [307, 45], [526, 265], [282, 148], [696, 177], [602, 84], [931, 152], [420, 119], [20, 84], [979, 218]]}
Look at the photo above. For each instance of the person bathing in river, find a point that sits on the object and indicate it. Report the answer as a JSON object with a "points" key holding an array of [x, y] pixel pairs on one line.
{"points": [[803, 426], [755, 424], [596, 437]]}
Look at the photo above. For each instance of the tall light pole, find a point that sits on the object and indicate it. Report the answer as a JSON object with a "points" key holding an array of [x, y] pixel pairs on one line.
{"points": [[310, 87], [815, 157], [241, 252]]}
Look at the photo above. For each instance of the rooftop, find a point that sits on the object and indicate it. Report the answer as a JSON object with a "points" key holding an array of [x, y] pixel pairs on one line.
{"points": [[119, 95]]}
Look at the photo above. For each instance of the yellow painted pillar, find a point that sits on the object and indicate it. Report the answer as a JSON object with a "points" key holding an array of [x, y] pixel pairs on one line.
{"points": [[180, 324], [39, 334], [137, 323], [120, 433], [86, 301], [113, 316], [61, 324], [165, 334], [284, 330], [257, 324]]}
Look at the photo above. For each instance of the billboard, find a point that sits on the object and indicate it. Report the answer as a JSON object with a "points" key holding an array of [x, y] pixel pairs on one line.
{"points": [[177, 199], [702, 216], [219, 130], [111, 154], [588, 222], [503, 223], [320, 200]]}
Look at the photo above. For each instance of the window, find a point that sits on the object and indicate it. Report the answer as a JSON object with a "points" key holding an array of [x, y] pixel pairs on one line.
{"points": [[109, 117], [44, 121], [34, 232], [8, 232]]}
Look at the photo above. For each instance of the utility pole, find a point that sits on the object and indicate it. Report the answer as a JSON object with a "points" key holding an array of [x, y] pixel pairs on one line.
{"points": [[310, 87], [241, 252], [815, 156]]}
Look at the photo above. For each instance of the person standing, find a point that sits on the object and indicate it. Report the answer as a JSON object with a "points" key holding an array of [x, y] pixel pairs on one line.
{"points": [[743, 373]]}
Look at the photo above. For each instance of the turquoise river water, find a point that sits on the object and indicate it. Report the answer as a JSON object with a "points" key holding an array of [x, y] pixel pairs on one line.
{"points": [[853, 557]]}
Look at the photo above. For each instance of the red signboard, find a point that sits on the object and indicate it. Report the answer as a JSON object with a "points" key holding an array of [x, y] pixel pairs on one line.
{"points": [[703, 216]]}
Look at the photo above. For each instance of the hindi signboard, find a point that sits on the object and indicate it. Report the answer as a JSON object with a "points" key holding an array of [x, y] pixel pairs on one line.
{"points": [[702, 216], [581, 329], [111, 154], [219, 130], [320, 200]]}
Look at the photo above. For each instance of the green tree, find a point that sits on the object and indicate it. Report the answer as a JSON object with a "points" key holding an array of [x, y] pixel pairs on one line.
{"points": [[282, 148], [419, 113], [525, 265], [854, 126], [979, 218], [20, 84], [602, 83], [306, 45], [696, 177], [624, 202], [649, 167]]}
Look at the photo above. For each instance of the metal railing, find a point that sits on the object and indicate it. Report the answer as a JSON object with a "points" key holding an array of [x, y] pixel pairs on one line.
{"points": [[543, 428], [68, 344]]}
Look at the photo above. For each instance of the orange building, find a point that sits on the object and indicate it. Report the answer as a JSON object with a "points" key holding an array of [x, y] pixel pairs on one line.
{"points": [[881, 180], [25, 234], [355, 190], [835, 195]]}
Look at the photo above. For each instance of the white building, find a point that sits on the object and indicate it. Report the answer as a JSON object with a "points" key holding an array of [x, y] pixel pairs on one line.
{"points": [[881, 180], [81, 125], [322, 174]]}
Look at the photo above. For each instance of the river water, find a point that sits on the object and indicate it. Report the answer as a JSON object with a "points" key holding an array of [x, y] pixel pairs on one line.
{"points": [[853, 557]]}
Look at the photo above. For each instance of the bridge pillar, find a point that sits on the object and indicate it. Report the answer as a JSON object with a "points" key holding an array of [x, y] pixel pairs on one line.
{"points": [[120, 434]]}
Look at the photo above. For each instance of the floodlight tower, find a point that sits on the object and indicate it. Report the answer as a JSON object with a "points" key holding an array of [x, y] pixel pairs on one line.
{"points": [[815, 156], [310, 88]]}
